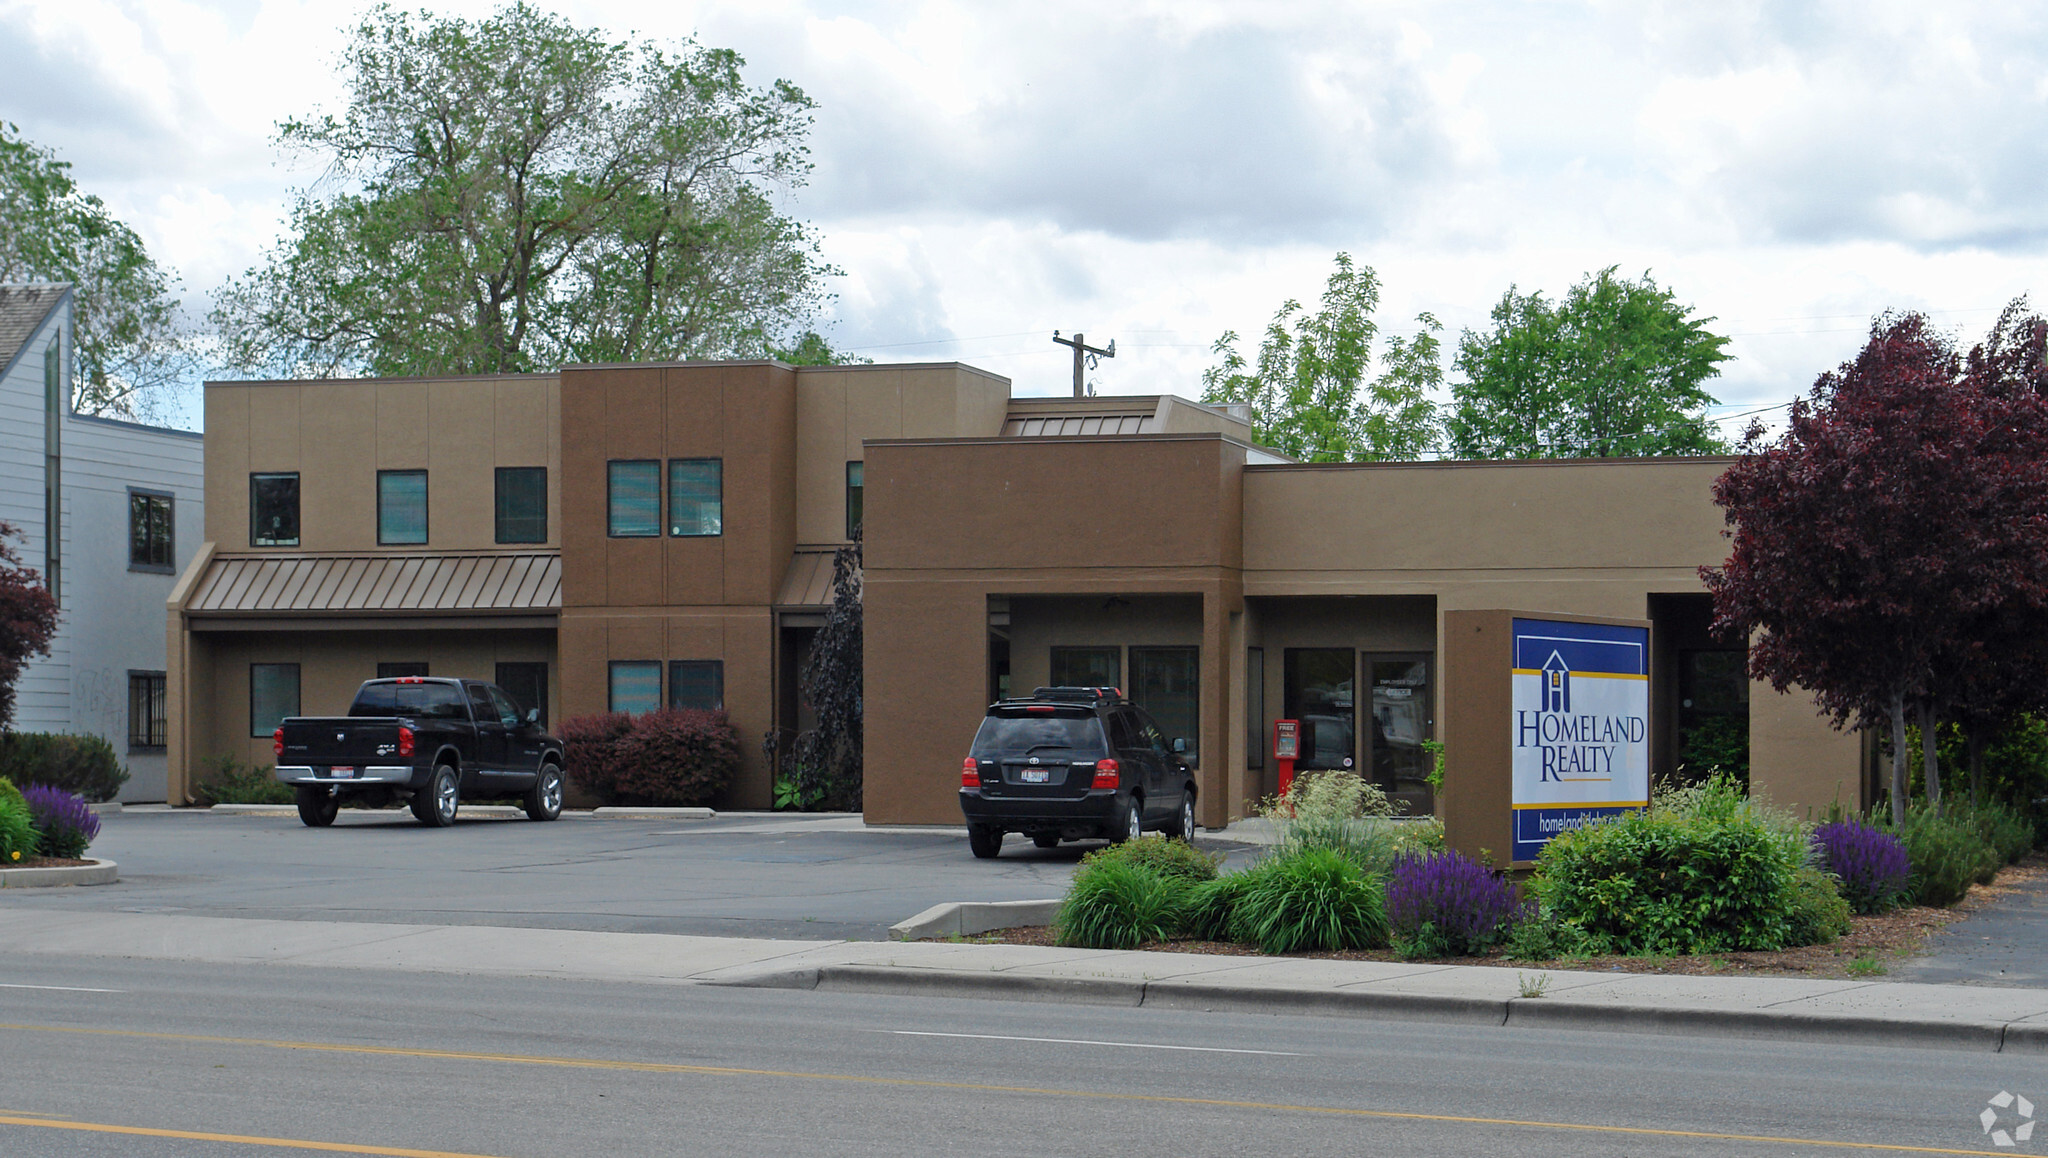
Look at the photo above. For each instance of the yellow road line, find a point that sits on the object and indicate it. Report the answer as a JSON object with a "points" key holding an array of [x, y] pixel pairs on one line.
{"points": [[921, 1083], [240, 1139]]}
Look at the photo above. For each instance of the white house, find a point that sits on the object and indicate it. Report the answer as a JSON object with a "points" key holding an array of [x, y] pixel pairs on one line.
{"points": [[125, 500]]}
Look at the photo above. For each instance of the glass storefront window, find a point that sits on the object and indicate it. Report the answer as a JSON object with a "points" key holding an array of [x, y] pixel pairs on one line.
{"points": [[1087, 667], [1400, 723], [1165, 681], [1319, 685]]}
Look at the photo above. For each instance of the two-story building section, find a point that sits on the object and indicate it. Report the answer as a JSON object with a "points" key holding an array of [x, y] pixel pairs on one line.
{"points": [[108, 512]]}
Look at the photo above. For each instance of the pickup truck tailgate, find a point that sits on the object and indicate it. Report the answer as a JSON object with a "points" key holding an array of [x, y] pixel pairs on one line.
{"points": [[342, 740]]}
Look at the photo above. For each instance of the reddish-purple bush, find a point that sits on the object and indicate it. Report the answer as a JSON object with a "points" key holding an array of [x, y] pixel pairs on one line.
{"points": [[676, 757], [1447, 904], [64, 823], [1872, 866], [590, 748]]}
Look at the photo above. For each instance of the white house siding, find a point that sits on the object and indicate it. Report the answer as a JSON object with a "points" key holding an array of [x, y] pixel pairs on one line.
{"points": [[112, 618]]}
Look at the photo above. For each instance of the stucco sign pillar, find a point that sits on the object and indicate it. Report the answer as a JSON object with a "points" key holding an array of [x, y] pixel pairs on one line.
{"points": [[1546, 727]]}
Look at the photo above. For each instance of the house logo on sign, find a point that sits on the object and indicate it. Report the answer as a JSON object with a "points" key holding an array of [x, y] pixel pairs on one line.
{"points": [[1557, 684]]}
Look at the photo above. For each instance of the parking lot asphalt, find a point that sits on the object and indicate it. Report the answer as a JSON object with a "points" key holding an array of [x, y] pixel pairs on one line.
{"points": [[744, 875], [2003, 943]]}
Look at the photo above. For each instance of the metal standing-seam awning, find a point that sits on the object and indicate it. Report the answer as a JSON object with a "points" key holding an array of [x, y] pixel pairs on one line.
{"points": [[244, 591]]}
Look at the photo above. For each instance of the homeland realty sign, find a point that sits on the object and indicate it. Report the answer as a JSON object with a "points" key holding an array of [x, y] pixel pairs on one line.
{"points": [[1580, 721]]}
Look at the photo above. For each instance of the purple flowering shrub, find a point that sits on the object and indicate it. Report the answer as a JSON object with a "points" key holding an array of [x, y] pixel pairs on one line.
{"points": [[64, 823], [1875, 872], [1447, 904]]}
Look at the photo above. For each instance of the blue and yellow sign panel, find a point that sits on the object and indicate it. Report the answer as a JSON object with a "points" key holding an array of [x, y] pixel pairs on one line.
{"points": [[1581, 724]]}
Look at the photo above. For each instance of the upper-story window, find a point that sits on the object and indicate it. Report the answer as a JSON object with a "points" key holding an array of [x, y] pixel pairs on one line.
{"points": [[150, 546], [854, 474], [696, 496], [522, 504], [633, 498], [401, 508], [274, 509]]}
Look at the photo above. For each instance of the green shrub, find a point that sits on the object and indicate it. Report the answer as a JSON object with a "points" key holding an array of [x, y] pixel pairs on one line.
{"points": [[223, 780], [1819, 913], [1172, 858], [84, 764], [1948, 852], [1539, 937], [1118, 905], [17, 831], [1309, 898], [2010, 834], [1703, 871]]}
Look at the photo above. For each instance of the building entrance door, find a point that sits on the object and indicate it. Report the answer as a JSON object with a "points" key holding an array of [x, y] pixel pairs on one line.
{"points": [[1165, 681], [1401, 720], [1319, 688]]}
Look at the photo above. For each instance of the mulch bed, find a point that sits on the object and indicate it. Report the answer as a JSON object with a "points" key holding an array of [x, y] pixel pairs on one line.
{"points": [[1872, 942], [46, 862]]}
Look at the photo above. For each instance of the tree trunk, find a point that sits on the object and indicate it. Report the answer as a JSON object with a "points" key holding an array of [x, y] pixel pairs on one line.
{"points": [[1976, 745], [1928, 764], [1899, 758]]}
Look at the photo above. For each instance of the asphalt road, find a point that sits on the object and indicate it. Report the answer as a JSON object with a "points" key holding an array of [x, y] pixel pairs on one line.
{"points": [[149, 1060], [744, 875]]}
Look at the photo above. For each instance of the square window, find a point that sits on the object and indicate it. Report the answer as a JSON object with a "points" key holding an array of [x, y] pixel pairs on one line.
{"points": [[527, 684], [854, 474], [401, 507], [149, 531], [522, 504], [696, 496], [696, 683], [274, 510], [148, 714], [636, 685], [273, 695], [633, 499]]}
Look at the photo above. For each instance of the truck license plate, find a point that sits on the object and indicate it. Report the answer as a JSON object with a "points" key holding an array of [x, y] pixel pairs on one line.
{"points": [[1036, 775], [342, 773]]}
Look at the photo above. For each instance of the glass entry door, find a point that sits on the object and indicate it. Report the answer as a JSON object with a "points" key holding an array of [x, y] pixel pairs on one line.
{"points": [[1165, 682], [1402, 714], [1318, 687]]}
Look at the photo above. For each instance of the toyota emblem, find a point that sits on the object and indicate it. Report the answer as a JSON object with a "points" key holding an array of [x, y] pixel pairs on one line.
{"points": [[1033, 760], [340, 736]]}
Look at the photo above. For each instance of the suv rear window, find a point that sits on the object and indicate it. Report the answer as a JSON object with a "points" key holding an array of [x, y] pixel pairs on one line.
{"points": [[433, 701], [1022, 733]]}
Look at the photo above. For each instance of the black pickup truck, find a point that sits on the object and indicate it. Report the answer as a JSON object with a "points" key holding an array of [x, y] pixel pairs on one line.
{"points": [[433, 742]]}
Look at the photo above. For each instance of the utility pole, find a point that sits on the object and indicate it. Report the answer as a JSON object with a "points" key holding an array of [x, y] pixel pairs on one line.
{"points": [[1083, 352]]}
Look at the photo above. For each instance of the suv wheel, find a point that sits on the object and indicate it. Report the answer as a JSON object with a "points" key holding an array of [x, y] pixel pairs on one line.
{"points": [[1130, 821], [544, 800], [317, 806], [436, 807], [1183, 825], [985, 840]]}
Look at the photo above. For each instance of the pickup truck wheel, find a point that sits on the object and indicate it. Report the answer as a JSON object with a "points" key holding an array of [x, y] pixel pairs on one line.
{"points": [[436, 807], [317, 806], [544, 799]]}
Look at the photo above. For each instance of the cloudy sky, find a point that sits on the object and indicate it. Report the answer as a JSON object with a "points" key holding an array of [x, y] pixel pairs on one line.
{"points": [[1160, 172]]}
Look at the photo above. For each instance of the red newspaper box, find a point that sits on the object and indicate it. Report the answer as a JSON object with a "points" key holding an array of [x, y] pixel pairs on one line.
{"points": [[1286, 750]]}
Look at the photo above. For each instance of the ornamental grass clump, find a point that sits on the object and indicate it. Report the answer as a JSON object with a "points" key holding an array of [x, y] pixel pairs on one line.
{"points": [[65, 824], [1875, 874], [1165, 856], [1446, 904], [1310, 898], [1119, 905], [17, 826]]}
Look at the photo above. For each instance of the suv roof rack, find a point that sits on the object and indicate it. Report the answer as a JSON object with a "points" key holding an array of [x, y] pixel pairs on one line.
{"points": [[1073, 695]]}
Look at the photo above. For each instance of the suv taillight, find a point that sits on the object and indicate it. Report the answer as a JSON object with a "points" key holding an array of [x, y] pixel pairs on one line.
{"points": [[404, 740], [1105, 775], [970, 773], [277, 742]]}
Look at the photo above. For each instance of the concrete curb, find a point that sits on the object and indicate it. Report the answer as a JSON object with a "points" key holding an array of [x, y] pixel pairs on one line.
{"points": [[105, 808], [628, 813], [99, 872], [966, 918], [1513, 1013]]}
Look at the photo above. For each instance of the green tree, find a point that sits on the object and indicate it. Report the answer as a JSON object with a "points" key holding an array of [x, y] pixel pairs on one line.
{"points": [[129, 350], [1304, 389], [516, 193], [1614, 370]]}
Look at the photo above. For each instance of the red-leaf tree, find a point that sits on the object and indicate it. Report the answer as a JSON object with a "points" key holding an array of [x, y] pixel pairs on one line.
{"points": [[1901, 516], [28, 617]]}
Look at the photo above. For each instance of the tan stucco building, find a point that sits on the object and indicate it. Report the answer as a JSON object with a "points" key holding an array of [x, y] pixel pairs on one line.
{"points": [[627, 536]]}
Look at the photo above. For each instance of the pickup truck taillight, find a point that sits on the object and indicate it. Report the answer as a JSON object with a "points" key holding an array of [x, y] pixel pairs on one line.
{"points": [[1105, 775], [404, 740], [277, 742], [970, 773]]}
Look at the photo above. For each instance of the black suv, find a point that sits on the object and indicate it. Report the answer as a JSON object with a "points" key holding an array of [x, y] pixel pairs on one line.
{"points": [[1070, 764]]}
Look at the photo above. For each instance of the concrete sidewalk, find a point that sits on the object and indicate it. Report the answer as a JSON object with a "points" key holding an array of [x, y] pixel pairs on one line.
{"points": [[1865, 1012]]}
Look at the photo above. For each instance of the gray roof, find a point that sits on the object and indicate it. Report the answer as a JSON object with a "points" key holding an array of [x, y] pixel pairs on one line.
{"points": [[23, 309], [380, 584]]}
